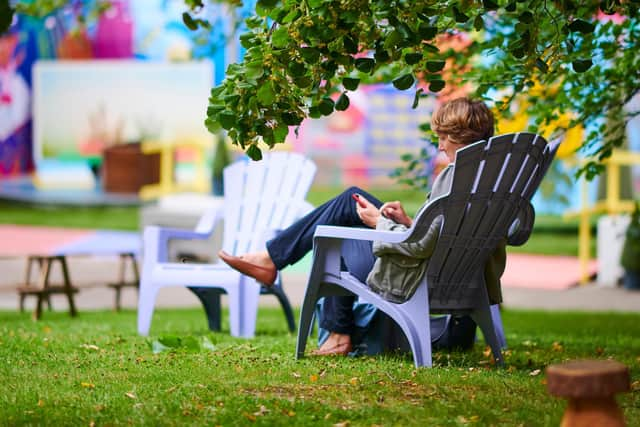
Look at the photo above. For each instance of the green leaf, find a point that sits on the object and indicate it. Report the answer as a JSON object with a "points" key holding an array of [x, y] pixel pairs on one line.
{"points": [[326, 106], [426, 31], [404, 82], [297, 69], [416, 98], [436, 85], [478, 23], [291, 119], [490, 4], [280, 133], [430, 48], [310, 54], [266, 94], [254, 70], [392, 39], [581, 65], [459, 16], [342, 103], [280, 37], [365, 64], [350, 83], [212, 125], [412, 58], [227, 119], [350, 45], [292, 16], [6, 16], [526, 17], [189, 22], [314, 112], [582, 26], [381, 55], [435, 66], [247, 40], [254, 152]]}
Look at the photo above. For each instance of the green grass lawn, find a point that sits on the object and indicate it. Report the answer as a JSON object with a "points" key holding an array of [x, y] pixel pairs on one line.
{"points": [[552, 235], [95, 369]]}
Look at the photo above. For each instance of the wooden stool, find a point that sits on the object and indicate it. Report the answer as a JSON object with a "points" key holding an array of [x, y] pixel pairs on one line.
{"points": [[590, 386], [122, 282], [43, 288]]}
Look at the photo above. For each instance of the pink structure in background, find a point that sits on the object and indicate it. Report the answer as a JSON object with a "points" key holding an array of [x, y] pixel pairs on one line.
{"points": [[114, 33]]}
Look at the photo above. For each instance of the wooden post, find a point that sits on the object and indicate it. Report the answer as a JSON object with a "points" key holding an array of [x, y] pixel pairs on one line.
{"points": [[590, 386]]}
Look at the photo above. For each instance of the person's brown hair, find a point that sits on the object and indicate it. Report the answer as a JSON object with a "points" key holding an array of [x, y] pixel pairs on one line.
{"points": [[463, 121]]}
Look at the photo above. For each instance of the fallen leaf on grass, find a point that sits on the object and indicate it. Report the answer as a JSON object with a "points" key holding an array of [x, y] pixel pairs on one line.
{"points": [[88, 385], [341, 424], [296, 375], [291, 413], [130, 395], [313, 378], [534, 372], [263, 410], [353, 381], [556, 346], [41, 403], [249, 416], [90, 346]]}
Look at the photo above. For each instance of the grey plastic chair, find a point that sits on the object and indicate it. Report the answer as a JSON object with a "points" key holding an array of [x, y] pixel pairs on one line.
{"points": [[489, 201]]}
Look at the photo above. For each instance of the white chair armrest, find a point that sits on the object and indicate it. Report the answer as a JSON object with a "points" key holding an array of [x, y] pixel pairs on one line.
{"points": [[330, 231]]}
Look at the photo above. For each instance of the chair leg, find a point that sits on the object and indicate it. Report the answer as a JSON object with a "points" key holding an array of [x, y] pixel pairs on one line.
{"points": [[497, 324], [482, 316], [250, 292], [210, 299], [306, 317], [413, 319], [286, 306], [146, 303]]}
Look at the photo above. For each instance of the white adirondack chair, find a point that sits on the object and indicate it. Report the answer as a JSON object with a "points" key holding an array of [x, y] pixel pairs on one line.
{"points": [[260, 198], [492, 187]]}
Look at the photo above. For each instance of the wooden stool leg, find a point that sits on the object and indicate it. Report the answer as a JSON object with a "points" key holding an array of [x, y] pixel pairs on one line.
{"points": [[117, 305], [593, 412], [67, 285], [43, 283], [27, 279]]}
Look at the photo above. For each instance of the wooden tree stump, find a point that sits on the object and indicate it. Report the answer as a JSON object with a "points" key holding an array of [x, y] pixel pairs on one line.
{"points": [[590, 386]]}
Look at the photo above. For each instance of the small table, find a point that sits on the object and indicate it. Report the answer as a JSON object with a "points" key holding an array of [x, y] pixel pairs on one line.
{"points": [[43, 288], [45, 247]]}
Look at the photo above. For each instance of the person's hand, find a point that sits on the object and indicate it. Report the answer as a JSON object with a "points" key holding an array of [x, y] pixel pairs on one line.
{"points": [[395, 211], [368, 213]]}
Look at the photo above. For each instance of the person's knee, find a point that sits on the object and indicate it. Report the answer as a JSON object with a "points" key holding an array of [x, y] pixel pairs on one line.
{"points": [[352, 190]]}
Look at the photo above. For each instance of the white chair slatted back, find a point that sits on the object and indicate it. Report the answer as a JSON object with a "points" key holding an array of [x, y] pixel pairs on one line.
{"points": [[492, 181], [262, 196]]}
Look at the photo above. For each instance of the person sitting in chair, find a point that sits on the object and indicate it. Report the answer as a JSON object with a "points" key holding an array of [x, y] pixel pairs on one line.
{"points": [[457, 123]]}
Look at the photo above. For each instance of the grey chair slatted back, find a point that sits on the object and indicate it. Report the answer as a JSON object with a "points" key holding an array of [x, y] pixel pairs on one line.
{"points": [[492, 182]]}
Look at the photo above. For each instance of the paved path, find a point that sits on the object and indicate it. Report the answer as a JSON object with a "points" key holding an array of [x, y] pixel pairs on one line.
{"points": [[90, 274]]}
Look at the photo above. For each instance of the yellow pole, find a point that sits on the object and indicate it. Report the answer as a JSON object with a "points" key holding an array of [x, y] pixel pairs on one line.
{"points": [[584, 234]]}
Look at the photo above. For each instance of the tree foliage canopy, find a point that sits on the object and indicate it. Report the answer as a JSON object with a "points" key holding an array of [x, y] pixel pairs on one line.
{"points": [[550, 57]]}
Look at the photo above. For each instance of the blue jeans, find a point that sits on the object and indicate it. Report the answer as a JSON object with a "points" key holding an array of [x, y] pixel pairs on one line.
{"points": [[294, 242]]}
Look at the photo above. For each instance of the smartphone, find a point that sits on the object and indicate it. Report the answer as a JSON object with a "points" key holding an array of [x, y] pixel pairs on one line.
{"points": [[356, 197]]}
